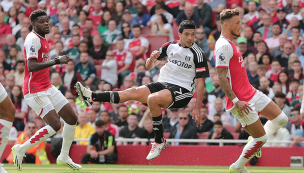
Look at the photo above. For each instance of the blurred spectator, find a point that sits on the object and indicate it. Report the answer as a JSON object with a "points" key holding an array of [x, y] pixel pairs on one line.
{"points": [[159, 9], [148, 127], [70, 77], [273, 10], [98, 107], [220, 133], [105, 117], [103, 26], [109, 68], [296, 7], [262, 72], [273, 41], [21, 108], [37, 153], [96, 15], [75, 12], [33, 5], [301, 55], [288, 6], [19, 73], [207, 124], [92, 117], [218, 5], [297, 137], [184, 129], [6, 5], [114, 114], [86, 69], [281, 14], [203, 10], [64, 27], [266, 29], [18, 5], [58, 48], [217, 117], [281, 135], [138, 45], [132, 130], [279, 99], [201, 39], [188, 14], [60, 13], [126, 18], [10, 42], [257, 37], [124, 60], [104, 143], [57, 82], [296, 122], [283, 58], [179, 8], [264, 84], [119, 8], [293, 57], [162, 3], [297, 68], [295, 37], [73, 52], [98, 51], [83, 15], [87, 37], [12, 14], [20, 17], [141, 18], [10, 83], [292, 93], [23, 32], [252, 14], [12, 57], [210, 53], [218, 91], [294, 22], [266, 59], [53, 8], [225, 116], [83, 129], [162, 27], [242, 45], [171, 119], [262, 49], [284, 81], [258, 22], [279, 50], [252, 72], [217, 31], [110, 6], [248, 33], [122, 116], [7, 67], [110, 35], [132, 7]]}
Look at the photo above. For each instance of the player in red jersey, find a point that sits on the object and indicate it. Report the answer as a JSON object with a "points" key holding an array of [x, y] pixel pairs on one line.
{"points": [[7, 115], [242, 99], [45, 99]]}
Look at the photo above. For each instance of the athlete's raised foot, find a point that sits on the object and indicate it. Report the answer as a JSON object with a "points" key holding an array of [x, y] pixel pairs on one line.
{"points": [[84, 93], [68, 163], [17, 157], [156, 149], [233, 169]]}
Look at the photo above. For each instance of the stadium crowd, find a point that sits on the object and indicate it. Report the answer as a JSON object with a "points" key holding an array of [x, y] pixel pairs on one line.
{"points": [[108, 42]]}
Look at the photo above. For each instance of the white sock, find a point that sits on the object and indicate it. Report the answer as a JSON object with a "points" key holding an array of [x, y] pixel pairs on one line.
{"points": [[5, 127], [41, 135], [249, 150], [272, 126], [68, 133]]}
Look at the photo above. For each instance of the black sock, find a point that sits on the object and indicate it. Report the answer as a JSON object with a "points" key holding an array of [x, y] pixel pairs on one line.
{"points": [[108, 96], [158, 129]]}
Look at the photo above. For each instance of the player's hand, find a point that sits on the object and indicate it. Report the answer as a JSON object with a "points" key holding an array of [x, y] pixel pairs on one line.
{"points": [[196, 113], [63, 59], [93, 154], [243, 107], [155, 54]]}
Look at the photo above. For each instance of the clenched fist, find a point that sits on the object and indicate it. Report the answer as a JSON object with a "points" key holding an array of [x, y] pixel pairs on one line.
{"points": [[63, 59], [155, 54]]}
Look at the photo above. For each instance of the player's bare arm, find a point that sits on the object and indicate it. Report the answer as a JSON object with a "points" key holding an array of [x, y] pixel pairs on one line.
{"points": [[223, 81], [152, 61], [33, 65], [196, 112]]}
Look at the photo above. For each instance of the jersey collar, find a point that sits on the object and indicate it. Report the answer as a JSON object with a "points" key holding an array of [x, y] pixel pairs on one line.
{"points": [[37, 34]]}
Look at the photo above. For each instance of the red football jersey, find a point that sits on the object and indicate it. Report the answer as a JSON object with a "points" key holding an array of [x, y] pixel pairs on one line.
{"points": [[36, 46]]}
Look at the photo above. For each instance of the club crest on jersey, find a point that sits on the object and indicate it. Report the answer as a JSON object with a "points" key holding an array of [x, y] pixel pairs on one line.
{"points": [[187, 58], [32, 49]]}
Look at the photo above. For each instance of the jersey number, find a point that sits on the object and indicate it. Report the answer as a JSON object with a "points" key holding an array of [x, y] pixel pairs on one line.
{"points": [[241, 59]]}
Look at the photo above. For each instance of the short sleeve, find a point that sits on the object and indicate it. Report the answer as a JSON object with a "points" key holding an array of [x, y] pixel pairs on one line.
{"points": [[163, 50], [200, 61], [32, 47], [223, 55], [129, 58], [144, 42], [24, 106], [92, 141]]}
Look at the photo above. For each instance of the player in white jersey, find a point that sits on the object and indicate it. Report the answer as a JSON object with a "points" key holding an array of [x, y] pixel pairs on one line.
{"points": [[7, 115], [242, 99], [186, 66]]}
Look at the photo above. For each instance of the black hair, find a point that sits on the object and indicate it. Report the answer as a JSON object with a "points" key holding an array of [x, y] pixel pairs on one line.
{"points": [[133, 114], [275, 60], [297, 61], [298, 108], [204, 107], [136, 26], [86, 13], [19, 97], [19, 62], [164, 19], [37, 13], [294, 80], [280, 95], [76, 35], [123, 33], [76, 25], [295, 27], [103, 22], [99, 123], [218, 123], [219, 115], [105, 112], [186, 24], [122, 106], [261, 59], [257, 32]]}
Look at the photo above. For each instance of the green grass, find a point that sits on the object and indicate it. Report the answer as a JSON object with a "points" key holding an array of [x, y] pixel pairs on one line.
{"points": [[31, 168]]}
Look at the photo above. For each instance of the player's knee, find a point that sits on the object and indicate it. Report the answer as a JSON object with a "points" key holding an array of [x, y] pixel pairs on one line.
{"points": [[152, 99], [281, 119]]}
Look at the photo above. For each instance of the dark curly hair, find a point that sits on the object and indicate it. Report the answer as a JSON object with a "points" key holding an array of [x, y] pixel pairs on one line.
{"points": [[37, 13]]}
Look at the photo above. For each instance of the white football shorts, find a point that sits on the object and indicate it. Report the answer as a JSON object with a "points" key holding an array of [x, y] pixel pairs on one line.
{"points": [[258, 102], [45, 101]]}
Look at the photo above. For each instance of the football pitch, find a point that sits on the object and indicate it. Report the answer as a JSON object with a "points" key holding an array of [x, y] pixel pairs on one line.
{"points": [[31, 168]]}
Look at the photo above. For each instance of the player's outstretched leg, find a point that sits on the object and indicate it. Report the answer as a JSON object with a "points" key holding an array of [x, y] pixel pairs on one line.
{"points": [[70, 118], [156, 101], [7, 114], [139, 94]]}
